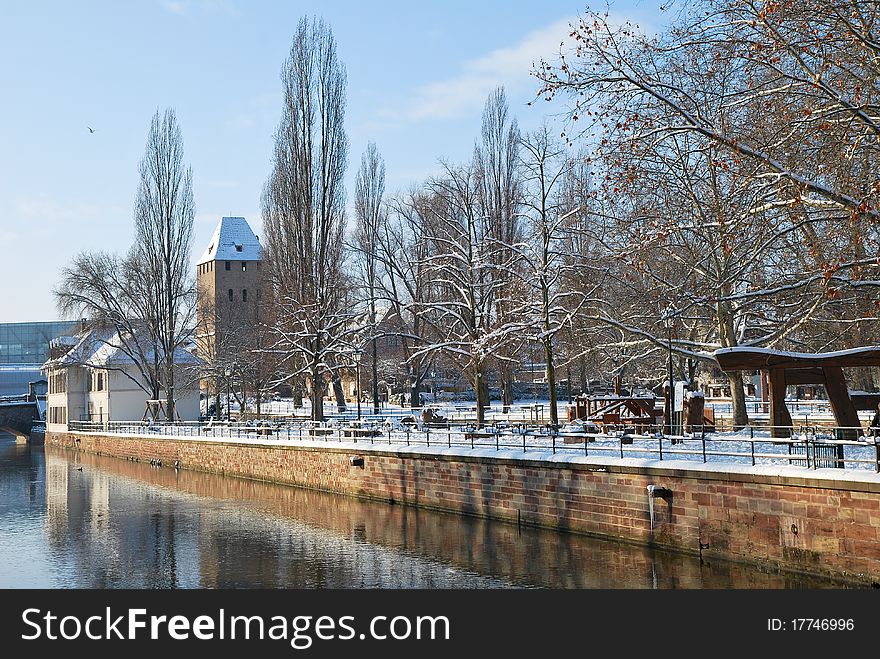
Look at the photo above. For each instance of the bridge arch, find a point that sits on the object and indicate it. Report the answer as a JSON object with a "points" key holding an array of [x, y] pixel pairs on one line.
{"points": [[17, 415]]}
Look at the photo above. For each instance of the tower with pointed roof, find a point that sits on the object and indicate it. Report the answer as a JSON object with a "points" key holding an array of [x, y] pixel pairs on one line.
{"points": [[229, 277]]}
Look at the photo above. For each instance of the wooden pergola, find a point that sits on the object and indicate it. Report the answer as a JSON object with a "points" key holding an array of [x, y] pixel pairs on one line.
{"points": [[785, 368]]}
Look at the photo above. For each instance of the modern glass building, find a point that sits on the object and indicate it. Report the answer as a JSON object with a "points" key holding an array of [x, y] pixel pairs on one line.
{"points": [[24, 347]]}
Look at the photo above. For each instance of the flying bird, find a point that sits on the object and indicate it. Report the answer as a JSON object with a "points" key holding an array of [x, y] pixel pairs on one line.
{"points": [[91, 130]]}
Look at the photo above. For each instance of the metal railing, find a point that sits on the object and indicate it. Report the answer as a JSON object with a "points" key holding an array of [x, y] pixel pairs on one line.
{"points": [[810, 446]]}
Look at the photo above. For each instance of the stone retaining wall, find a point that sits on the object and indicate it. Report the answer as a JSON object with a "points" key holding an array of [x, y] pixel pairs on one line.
{"points": [[804, 524]]}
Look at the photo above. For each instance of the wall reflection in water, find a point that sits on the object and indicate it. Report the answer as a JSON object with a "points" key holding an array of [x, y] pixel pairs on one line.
{"points": [[89, 521]]}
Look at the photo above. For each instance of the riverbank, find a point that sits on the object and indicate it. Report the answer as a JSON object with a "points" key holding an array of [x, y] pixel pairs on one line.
{"points": [[812, 521]]}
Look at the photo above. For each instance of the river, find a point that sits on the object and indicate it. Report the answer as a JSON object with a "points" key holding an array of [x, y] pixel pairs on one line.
{"points": [[76, 520]]}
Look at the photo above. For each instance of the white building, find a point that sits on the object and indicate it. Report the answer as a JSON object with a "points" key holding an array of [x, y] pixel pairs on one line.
{"points": [[92, 378]]}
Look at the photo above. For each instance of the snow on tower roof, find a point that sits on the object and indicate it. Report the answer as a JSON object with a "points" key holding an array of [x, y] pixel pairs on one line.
{"points": [[233, 240]]}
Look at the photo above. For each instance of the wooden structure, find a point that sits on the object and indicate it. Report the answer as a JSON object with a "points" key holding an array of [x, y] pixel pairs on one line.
{"points": [[155, 411], [432, 418], [614, 410], [696, 416], [795, 368]]}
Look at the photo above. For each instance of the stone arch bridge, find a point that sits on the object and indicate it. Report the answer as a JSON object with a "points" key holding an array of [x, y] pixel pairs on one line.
{"points": [[17, 414]]}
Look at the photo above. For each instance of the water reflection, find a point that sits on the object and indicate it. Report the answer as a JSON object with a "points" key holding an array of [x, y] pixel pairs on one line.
{"points": [[78, 520]]}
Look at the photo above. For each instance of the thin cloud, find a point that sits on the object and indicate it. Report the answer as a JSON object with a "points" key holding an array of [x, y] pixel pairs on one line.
{"points": [[509, 66], [173, 6], [181, 7]]}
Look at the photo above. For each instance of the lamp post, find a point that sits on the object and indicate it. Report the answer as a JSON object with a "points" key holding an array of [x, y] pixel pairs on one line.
{"points": [[671, 383], [228, 374], [358, 353]]}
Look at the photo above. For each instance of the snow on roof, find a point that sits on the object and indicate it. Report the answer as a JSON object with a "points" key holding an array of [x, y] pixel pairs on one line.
{"points": [[233, 240], [745, 358], [797, 355], [100, 348]]}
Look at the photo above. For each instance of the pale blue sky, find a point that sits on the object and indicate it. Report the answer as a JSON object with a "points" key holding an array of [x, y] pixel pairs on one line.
{"points": [[418, 75]]}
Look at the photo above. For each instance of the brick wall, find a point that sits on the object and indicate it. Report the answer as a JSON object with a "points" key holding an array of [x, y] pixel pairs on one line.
{"points": [[811, 525]]}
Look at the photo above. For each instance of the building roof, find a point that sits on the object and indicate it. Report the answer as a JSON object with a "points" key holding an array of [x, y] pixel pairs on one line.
{"points": [[742, 358], [103, 348], [233, 240]]}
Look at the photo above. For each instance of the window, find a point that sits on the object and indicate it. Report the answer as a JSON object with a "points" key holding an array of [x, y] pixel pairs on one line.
{"points": [[239, 248], [57, 415], [258, 295], [244, 295], [231, 295], [244, 266], [228, 265], [58, 383]]}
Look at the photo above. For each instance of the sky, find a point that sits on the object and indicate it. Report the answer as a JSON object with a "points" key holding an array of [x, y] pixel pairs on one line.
{"points": [[418, 76]]}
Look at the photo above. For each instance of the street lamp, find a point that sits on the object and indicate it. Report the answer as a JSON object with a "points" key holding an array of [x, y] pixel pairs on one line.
{"points": [[358, 353], [671, 397], [228, 374]]}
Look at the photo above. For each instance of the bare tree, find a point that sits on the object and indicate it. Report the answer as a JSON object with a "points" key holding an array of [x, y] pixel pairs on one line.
{"points": [[370, 216], [462, 265], [547, 306], [148, 297], [736, 185], [498, 187], [800, 94], [164, 214], [101, 287], [404, 247], [304, 208]]}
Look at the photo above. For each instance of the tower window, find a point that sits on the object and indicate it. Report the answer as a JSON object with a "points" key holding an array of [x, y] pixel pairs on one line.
{"points": [[228, 265], [244, 295], [244, 266], [231, 295]]}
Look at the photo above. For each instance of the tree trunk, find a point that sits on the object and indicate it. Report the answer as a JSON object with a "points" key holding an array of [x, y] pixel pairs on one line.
{"points": [[738, 401], [480, 390], [339, 393], [551, 381], [375, 377], [169, 402], [216, 398], [415, 388], [317, 397], [506, 387], [568, 382]]}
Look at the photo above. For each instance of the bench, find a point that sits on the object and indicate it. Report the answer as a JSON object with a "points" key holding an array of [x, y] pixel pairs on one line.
{"points": [[476, 434], [361, 432], [576, 438]]}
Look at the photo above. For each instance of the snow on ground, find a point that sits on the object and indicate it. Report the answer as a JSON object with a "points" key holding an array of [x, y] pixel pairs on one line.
{"points": [[807, 411], [750, 449]]}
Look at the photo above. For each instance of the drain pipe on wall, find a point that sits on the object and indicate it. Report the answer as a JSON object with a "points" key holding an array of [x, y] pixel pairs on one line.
{"points": [[656, 491]]}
